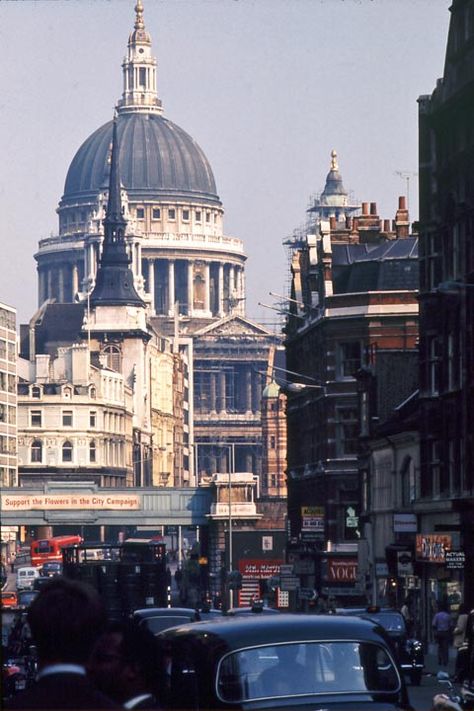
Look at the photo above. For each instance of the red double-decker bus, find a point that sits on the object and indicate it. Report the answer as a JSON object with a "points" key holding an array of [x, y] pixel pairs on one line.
{"points": [[47, 549]]}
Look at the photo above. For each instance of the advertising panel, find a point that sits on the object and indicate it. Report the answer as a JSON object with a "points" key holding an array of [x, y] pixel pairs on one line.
{"points": [[30, 502], [432, 547]]}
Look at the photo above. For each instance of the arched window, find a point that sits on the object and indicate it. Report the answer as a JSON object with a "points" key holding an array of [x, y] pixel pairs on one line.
{"points": [[93, 392], [37, 451], [92, 451], [35, 391], [114, 357], [67, 451]]}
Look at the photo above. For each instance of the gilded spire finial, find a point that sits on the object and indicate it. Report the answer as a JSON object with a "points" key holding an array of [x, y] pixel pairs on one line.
{"points": [[139, 24], [334, 165]]}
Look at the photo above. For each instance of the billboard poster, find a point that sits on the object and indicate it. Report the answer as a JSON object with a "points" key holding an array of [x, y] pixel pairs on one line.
{"points": [[432, 547], [312, 522]]}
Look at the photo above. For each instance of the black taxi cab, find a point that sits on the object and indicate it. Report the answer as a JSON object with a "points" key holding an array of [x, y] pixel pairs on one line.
{"points": [[280, 661]]}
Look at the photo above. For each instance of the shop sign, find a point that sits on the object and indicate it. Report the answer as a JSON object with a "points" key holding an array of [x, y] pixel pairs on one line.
{"points": [[432, 547], [455, 560], [381, 570], [32, 502], [404, 563], [342, 570], [259, 568], [405, 523]]}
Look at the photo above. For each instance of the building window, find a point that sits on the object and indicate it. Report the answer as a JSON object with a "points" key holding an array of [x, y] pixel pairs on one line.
{"points": [[140, 213], [93, 419], [348, 358], [156, 213], [36, 418], [434, 364], [198, 215], [453, 361], [186, 215], [92, 452], [93, 393], [67, 418], [434, 464], [67, 451], [272, 441], [3, 413], [37, 452], [114, 357], [208, 216], [408, 482], [36, 392], [171, 214], [347, 430]]}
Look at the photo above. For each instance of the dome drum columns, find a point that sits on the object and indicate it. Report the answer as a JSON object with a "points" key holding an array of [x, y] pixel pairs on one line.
{"points": [[203, 288]]}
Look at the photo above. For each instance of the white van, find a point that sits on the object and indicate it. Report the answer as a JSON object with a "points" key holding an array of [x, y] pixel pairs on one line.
{"points": [[25, 577]]}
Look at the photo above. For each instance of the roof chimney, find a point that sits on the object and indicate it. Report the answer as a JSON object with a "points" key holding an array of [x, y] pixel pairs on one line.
{"points": [[402, 219]]}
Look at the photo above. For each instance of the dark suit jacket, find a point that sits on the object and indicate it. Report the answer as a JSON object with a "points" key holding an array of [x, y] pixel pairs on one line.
{"points": [[61, 691]]}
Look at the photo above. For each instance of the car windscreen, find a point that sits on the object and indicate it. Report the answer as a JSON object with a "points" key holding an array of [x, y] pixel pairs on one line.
{"points": [[306, 668]]}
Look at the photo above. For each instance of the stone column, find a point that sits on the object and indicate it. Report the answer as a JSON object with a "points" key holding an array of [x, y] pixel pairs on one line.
{"points": [[151, 283], [231, 281], [221, 404], [171, 286], [212, 392], [248, 390], [75, 281], [190, 288], [220, 287], [61, 285], [256, 397], [207, 287]]}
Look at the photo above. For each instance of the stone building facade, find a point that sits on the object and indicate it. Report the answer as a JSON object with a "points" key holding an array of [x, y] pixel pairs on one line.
{"points": [[187, 271], [446, 149], [354, 301]]}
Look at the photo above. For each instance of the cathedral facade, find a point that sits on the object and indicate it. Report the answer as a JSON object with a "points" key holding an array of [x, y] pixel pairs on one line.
{"points": [[189, 275]]}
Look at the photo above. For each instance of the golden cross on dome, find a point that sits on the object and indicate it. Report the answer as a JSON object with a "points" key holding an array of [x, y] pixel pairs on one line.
{"points": [[139, 24]]}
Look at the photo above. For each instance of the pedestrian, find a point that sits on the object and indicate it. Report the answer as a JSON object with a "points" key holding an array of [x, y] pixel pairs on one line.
{"points": [[442, 628], [124, 665], [65, 620]]}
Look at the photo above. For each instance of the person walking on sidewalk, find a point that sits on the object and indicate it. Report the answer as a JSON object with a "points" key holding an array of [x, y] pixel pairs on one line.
{"points": [[442, 628]]}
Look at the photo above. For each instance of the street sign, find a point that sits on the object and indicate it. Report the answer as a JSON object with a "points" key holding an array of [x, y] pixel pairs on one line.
{"points": [[405, 523], [381, 570], [455, 560], [307, 594], [290, 583]]}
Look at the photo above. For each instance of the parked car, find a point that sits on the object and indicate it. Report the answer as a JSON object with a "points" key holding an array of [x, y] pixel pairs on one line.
{"points": [[9, 599], [41, 582], [51, 568], [408, 650], [280, 662]]}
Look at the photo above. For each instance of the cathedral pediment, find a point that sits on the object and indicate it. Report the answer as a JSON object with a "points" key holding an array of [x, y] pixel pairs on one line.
{"points": [[233, 326]]}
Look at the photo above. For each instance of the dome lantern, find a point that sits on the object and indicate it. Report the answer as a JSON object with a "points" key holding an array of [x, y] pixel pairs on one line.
{"points": [[139, 71]]}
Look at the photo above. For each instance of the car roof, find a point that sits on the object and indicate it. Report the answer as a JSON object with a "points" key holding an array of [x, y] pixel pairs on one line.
{"points": [[165, 612], [242, 631]]}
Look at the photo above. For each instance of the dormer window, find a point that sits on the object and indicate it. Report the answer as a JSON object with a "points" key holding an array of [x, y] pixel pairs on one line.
{"points": [[35, 392], [140, 213], [172, 214], [186, 215], [156, 213]]}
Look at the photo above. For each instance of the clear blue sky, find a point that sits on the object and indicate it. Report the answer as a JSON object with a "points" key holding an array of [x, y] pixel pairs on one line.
{"points": [[266, 87]]}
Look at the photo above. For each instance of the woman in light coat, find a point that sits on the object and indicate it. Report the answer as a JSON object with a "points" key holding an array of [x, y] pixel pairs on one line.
{"points": [[459, 632]]}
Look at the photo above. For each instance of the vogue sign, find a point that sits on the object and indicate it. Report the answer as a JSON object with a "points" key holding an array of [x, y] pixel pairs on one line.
{"points": [[342, 570]]}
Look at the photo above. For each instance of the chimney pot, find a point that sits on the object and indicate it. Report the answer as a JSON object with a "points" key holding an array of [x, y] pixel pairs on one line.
{"points": [[386, 225], [332, 222], [402, 202], [365, 208], [373, 208]]}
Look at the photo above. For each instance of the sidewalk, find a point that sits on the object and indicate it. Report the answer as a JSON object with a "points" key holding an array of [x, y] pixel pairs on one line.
{"points": [[431, 661]]}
